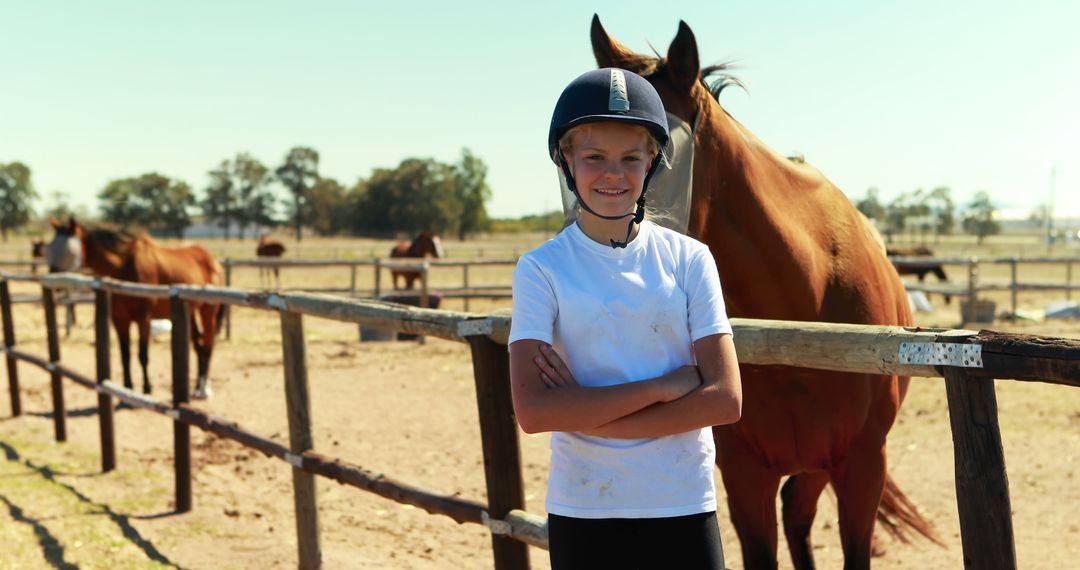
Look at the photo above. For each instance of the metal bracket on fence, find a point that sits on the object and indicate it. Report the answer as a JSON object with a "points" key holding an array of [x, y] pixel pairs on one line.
{"points": [[941, 353], [295, 460], [496, 526], [50, 366], [475, 327], [173, 413], [276, 302]]}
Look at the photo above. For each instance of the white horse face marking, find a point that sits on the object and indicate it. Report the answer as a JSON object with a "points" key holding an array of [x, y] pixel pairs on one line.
{"points": [[438, 246]]}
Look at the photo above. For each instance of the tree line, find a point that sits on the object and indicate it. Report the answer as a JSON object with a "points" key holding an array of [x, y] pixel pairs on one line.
{"points": [[420, 194], [921, 213]]}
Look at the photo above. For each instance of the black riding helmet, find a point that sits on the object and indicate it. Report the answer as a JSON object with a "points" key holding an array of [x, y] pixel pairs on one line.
{"points": [[608, 94]]}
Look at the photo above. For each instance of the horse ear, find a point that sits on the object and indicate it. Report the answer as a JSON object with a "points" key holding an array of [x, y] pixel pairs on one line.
{"points": [[608, 52], [683, 64], [72, 224]]}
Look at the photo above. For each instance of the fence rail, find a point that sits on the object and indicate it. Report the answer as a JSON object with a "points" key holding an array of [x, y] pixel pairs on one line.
{"points": [[968, 360]]}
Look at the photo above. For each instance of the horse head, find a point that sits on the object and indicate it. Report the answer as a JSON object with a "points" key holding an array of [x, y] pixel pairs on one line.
{"points": [[427, 243], [682, 85], [66, 251], [37, 248]]}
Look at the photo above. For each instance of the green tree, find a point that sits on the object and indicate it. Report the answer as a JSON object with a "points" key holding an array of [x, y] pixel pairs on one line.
{"points": [[419, 195], [151, 201], [328, 207], [219, 198], [255, 201], [17, 195], [299, 173], [940, 205], [120, 203], [473, 191], [979, 218], [239, 192], [871, 206]]}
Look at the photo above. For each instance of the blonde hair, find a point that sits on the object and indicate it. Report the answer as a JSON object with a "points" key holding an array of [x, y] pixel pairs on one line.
{"points": [[566, 143]]}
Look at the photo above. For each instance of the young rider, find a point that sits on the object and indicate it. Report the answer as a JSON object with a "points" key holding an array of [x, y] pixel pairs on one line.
{"points": [[621, 347]]}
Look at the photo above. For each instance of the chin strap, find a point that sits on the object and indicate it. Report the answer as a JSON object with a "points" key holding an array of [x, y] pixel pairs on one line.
{"points": [[638, 215]]}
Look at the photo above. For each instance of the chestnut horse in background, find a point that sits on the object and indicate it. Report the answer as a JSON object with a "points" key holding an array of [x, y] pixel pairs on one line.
{"points": [[269, 247], [788, 245], [120, 255], [425, 244]]}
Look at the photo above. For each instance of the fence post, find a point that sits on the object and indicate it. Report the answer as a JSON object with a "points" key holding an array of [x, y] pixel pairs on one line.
{"points": [[982, 484], [9, 344], [228, 314], [53, 339], [1014, 286], [181, 355], [102, 316], [298, 404], [465, 278], [352, 281], [502, 455], [378, 277], [973, 287]]}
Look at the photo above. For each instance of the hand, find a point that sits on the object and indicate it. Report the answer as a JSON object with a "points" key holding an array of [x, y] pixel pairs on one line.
{"points": [[679, 383], [554, 373]]}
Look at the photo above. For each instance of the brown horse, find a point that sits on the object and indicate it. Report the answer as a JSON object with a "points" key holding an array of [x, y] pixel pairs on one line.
{"points": [[425, 244], [269, 247], [918, 270], [120, 255], [788, 245]]}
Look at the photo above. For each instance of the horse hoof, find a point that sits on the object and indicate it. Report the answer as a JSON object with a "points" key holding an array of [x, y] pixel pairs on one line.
{"points": [[201, 393]]}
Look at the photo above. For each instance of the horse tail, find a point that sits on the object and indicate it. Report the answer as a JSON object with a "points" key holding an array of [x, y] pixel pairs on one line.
{"points": [[898, 515], [222, 314], [217, 277]]}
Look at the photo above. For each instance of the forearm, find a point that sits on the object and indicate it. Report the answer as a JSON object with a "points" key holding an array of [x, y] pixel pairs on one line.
{"points": [[579, 408], [706, 406]]}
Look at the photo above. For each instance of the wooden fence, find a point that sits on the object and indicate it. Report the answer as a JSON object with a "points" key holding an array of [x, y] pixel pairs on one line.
{"points": [[970, 290], [465, 292], [968, 360]]}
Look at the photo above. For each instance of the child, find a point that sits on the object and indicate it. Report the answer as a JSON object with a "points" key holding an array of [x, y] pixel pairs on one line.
{"points": [[620, 345]]}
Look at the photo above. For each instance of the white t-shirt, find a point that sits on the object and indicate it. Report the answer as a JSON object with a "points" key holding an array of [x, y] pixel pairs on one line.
{"points": [[617, 316]]}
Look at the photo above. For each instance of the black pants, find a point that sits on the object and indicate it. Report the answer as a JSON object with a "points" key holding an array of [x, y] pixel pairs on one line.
{"points": [[689, 542]]}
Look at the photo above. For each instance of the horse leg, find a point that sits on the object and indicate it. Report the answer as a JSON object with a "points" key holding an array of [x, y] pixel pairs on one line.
{"points": [[751, 491], [203, 342], [144, 352], [800, 496], [123, 338], [859, 483]]}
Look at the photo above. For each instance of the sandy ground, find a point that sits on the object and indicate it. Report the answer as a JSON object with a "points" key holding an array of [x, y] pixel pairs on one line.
{"points": [[409, 410]]}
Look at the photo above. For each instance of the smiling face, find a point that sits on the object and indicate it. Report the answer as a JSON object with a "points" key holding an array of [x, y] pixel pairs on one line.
{"points": [[609, 161]]}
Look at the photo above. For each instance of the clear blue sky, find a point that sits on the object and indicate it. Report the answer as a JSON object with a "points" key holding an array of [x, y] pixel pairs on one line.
{"points": [[898, 95]]}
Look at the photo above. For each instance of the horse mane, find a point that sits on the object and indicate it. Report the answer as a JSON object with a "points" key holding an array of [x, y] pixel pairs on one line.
{"points": [[112, 240], [715, 78]]}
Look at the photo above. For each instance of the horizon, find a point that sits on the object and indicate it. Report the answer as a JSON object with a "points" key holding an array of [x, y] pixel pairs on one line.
{"points": [[893, 97]]}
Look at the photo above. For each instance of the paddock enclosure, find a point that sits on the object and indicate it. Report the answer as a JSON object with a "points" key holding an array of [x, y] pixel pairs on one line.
{"points": [[409, 413]]}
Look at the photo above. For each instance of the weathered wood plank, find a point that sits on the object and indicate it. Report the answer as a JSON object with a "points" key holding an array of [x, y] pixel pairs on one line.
{"points": [[298, 404], [102, 317], [181, 371], [502, 455]]}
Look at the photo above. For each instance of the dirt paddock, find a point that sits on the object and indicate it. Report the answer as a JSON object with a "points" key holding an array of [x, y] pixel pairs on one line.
{"points": [[408, 410]]}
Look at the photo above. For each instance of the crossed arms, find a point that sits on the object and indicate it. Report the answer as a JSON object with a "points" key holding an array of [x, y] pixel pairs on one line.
{"points": [[547, 398]]}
